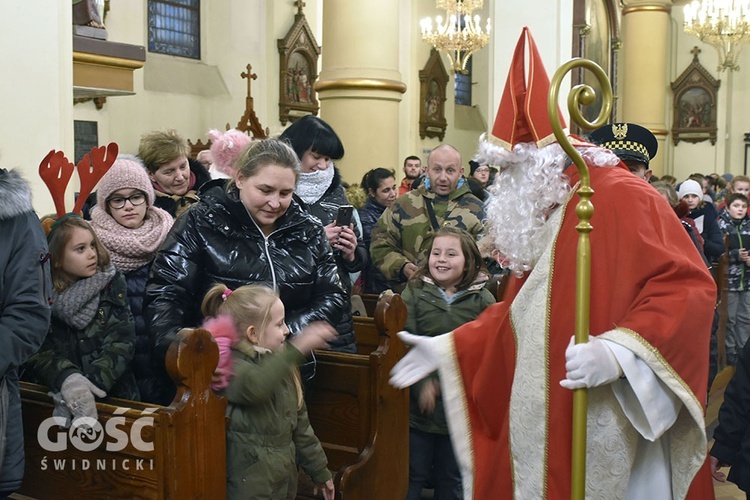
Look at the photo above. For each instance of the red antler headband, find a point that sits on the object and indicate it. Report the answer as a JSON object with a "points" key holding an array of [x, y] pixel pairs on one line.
{"points": [[56, 171]]}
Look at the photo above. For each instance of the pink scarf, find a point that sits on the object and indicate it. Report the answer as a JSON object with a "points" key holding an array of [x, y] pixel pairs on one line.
{"points": [[132, 249]]}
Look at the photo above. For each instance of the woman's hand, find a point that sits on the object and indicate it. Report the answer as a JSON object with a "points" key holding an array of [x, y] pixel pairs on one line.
{"points": [[314, 336], [327, 488], [343, 239]]}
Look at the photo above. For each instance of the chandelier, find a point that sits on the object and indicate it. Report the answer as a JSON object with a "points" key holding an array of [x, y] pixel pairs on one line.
{"points": [[724, 24], [460, 36]]}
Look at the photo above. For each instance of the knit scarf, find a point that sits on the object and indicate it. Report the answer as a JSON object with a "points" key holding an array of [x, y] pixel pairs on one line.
{"points": [[313, 185], [132, 249], [77, 304]]}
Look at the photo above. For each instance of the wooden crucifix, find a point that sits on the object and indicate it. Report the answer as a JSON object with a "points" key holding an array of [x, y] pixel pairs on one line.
{"points": [[250, 77]]}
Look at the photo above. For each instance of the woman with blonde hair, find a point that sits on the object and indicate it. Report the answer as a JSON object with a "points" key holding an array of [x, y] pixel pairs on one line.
{"points": [[251, 232]]}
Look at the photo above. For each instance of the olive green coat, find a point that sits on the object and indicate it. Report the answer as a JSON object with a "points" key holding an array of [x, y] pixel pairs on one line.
{"points": [[102, 351], [268, 431], [430, 314]]}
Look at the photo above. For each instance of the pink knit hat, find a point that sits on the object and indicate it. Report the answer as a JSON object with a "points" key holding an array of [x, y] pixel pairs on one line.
{"points": [[127, 172]]}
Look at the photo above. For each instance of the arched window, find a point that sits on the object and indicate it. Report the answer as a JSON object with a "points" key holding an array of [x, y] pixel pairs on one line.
{"points": [[462, 85], [174, 27]]}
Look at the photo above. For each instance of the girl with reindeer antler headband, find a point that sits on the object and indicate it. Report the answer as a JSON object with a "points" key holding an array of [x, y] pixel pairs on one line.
{"points": [[90, 344]]}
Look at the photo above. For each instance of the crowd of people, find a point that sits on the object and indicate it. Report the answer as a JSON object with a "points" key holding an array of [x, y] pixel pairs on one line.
{"points": [[247, 241]]}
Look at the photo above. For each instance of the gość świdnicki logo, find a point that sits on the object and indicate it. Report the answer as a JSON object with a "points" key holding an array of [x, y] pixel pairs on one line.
{"points": [[87, 434]]}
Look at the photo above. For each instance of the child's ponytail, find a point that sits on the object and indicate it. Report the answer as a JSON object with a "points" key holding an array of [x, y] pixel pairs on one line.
{"points": [[223, 328]]}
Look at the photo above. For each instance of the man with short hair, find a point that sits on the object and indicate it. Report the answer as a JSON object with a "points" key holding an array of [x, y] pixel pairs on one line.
{"points": [[412, 171], [399, 239]]}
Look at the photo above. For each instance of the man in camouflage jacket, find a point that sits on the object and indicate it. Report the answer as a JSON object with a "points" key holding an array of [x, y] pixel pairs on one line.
{"points": [[400, 237]]}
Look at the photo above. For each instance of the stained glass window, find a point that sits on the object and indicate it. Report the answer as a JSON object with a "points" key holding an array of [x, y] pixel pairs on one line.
{"points": [[174, 27], [462, 85]]}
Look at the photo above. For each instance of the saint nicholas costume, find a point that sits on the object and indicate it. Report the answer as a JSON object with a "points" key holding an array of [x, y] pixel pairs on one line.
{"points": [[651, 302]]}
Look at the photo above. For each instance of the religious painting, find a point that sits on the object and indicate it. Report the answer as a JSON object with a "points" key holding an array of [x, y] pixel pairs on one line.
{"points": [[298, 66], [433, 80], [694, 96]]}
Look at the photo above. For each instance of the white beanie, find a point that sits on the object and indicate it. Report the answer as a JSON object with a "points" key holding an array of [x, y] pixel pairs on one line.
{"points": [[690, 187]]}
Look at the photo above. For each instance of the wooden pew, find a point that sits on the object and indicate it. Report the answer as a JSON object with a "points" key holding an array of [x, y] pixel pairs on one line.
{"points": [[181, 452], [361, 421], [370, 300]]}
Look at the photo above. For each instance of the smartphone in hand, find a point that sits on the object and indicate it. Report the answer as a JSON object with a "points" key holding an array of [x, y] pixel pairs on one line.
{"points": [[344, 215]]}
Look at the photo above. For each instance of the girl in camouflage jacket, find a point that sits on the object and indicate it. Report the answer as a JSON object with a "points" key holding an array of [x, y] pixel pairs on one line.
{"points": [[89, 348], [268, 429]]}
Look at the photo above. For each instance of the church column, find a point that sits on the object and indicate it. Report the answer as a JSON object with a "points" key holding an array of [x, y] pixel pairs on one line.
{"points": [[645, 39], [360, 87]]}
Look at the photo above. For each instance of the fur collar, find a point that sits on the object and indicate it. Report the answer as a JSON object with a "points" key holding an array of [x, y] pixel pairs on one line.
{"points": [[15, 193]]}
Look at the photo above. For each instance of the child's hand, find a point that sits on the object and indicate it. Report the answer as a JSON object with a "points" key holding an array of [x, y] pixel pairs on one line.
{"points": [[218, 376], [715, 466], [430, 391], [743, 255], [327, 488], [314, 336]]}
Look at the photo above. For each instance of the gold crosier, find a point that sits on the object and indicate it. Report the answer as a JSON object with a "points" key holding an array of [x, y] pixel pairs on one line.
{"points": [[580, 95]]}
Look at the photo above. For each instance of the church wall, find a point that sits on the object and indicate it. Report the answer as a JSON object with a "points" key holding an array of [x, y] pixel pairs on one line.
{"points": [[193, 96], [36, 96], [727, 155], [552, 33], [490, 68]]}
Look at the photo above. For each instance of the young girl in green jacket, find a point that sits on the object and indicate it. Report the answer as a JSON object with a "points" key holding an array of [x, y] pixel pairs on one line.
{"points": [[89, 349], [446, 292], [269, 428]]}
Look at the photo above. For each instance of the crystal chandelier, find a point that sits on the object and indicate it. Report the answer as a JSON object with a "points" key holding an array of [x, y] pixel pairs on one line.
{"points": [[724, 24], [460, 36]]}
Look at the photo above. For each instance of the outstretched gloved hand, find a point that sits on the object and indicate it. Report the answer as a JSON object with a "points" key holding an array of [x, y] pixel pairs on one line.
{"points": [[78, 393], [590, 364], [421, 360]]}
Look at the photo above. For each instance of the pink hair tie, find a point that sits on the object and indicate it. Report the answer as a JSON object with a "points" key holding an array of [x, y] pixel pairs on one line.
{"points": [[226, 294]]}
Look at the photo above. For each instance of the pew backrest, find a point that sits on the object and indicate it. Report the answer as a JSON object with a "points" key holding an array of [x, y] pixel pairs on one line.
{"points": [[143, 451]]}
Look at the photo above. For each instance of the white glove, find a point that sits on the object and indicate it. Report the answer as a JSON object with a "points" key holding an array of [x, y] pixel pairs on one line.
{"points": [[61, 408], [421, 360], [590, 365], [78, 393]]}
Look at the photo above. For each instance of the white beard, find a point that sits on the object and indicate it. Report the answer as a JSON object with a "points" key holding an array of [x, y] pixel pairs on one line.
{"points": [[530, 185]]}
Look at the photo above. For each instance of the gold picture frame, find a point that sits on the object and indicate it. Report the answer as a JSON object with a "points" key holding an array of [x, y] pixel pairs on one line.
{"points": [[433, 80], [298, 70], [694, 97]]}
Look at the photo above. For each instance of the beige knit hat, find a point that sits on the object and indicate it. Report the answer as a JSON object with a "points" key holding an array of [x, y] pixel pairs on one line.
{"points": [[128, 172]]}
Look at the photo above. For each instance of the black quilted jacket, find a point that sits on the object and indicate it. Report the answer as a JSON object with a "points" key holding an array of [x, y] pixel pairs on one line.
{"points": [[325, 210], [216, 241]]}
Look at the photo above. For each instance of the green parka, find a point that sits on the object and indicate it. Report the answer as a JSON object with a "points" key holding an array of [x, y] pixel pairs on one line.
{"points": [[268, 430], [431, 314], [102, 352]]}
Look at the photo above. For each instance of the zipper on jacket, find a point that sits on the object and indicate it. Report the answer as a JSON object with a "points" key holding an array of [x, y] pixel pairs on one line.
{"points": [[742, 268], [270, 263], [266, 241]]}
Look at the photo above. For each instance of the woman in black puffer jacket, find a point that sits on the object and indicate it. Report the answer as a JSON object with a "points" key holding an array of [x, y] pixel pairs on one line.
{"points": [[321, 192], [251, 232]]}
